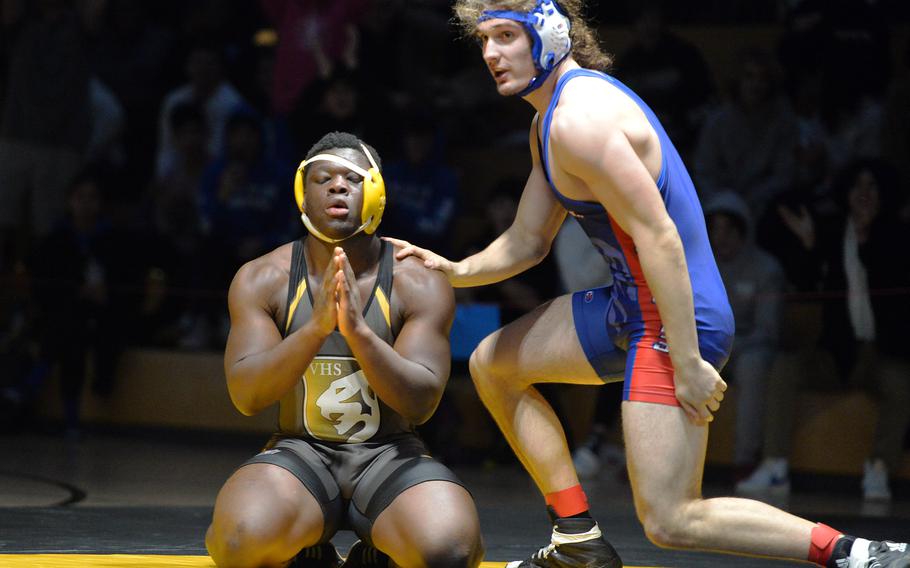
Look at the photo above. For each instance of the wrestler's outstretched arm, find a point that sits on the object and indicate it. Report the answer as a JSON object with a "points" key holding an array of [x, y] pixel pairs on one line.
{"points": [[524, 244]]}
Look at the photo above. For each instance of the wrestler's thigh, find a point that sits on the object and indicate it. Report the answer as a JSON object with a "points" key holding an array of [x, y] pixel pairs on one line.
{"points": [[540, 346], [665, 454]]}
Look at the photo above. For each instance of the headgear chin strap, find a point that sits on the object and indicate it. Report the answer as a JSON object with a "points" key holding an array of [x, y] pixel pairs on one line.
{"points": [[549, 31], [373, 194]]}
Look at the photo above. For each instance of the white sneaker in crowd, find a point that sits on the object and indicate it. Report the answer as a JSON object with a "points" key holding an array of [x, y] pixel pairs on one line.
{"points": [[875, 481], [771, 477]]}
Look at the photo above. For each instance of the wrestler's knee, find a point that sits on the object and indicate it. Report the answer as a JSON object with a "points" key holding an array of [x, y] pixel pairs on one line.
{"points": [[240, 543], [490, 372], [449, 553], [669, 526]]}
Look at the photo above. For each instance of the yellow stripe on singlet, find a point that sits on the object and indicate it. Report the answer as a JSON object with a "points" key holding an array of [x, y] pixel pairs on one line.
{"points": [[126, 560], [301, 288], [383, 305]]}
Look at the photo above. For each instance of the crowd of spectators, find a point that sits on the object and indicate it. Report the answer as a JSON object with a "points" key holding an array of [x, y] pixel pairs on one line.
{"points": [[147, 151]]}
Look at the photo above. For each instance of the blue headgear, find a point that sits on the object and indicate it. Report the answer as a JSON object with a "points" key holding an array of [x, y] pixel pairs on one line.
{"points": [[549, 31]]}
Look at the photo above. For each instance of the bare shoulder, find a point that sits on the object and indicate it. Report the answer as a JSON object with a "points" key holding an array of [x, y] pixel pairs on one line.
{"points": [[592, 107], [260, 277], [417, 285]]}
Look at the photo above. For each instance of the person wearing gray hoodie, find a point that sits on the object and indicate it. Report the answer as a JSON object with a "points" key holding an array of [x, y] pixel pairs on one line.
{"points": [[755, 283]]}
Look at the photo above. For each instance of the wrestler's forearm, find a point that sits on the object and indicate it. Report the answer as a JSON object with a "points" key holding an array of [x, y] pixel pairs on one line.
{"points": [[663, 262], [259, 380], [511, 253], [409, 388]]}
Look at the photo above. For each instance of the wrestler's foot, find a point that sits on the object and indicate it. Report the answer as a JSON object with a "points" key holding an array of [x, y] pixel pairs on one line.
{"points": [[567, 550], [319, 556], [870, 554], [364, 556]]}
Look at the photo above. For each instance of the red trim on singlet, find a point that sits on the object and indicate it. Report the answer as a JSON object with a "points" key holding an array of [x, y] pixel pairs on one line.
{"points": [[651, 376]]}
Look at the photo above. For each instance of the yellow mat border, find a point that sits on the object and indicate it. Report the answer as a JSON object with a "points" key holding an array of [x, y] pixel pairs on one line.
{"points": [[129, 560]]}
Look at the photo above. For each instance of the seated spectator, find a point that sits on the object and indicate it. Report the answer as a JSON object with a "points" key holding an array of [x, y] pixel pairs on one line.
{"points": [[426, 189], [242, 201], [79, 269], [755, 286], [207, 88], [747, 146], [861, 344]]}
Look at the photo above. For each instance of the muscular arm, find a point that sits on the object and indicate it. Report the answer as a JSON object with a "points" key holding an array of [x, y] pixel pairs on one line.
{"points": [[411, 376], [261, 367], [526, 242]]}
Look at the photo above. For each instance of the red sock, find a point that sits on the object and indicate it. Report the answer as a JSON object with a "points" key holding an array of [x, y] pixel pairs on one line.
{"points": [[568, 502], [823, 540]]}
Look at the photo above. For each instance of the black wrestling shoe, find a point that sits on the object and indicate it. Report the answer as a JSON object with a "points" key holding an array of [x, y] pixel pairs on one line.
{"points": [[566, 550], [319, 556], [364, 556], [874, 554]]}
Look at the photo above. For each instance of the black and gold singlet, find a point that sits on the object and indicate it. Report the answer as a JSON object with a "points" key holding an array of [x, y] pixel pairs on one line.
{"points": [[333, 400]]}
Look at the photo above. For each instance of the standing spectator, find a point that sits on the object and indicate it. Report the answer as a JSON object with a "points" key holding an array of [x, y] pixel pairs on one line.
{"points": [[208, 88], [315, 37], [755, 285], [46, 116], [747, 146], [862, 343]]}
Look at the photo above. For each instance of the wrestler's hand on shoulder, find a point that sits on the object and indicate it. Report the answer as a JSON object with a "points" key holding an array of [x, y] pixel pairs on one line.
{"points": [[325, 306], [700, 390], [350, 305], [430, 259]]}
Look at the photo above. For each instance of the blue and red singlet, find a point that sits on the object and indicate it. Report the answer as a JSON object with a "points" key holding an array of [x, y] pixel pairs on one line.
{"points": [[619, 325]]}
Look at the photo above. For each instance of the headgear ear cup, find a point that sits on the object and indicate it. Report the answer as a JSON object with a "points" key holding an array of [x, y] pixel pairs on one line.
{"points": [[298, 186], [373, 196]]}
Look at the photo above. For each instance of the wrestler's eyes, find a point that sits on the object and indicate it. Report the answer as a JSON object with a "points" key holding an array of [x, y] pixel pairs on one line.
{"points": [[355, 178]]}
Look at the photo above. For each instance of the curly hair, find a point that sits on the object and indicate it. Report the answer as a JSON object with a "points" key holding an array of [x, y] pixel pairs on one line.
{"points": [[334, 140], [586, 49]]}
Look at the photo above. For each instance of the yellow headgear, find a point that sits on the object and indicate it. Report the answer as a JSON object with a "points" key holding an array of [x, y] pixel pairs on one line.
{"points": [[373, 193]]}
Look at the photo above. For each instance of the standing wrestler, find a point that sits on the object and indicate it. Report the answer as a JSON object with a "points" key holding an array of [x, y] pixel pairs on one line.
{"points": [[664, 326], [353, 344]]}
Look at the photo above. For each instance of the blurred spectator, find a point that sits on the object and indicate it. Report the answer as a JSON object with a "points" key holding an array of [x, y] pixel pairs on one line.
{"points": [[747, 146], [315, 37], [669, 73], [257, 90], [79, 270], [108, 122], [46, 115], [206, 88], [755, 286], [822, 39], [896, 129], [132, 43], [424, 189], [246, 202], [522, 293], [866, 276], [333, 104], [176, 195]]}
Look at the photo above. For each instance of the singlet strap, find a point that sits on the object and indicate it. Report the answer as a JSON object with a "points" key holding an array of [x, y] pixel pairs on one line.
{"points": [[297, 284]]}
